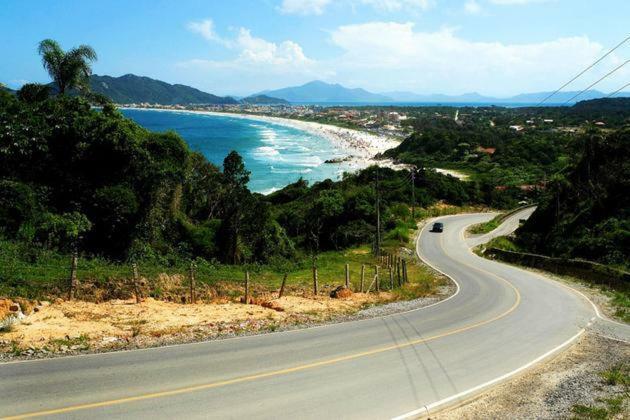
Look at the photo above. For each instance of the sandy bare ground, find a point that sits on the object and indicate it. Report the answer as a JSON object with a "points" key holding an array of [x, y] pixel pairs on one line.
{"points": [[93, 325]]}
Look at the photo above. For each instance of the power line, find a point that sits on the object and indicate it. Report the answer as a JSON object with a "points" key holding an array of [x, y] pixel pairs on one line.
{"points": [[583, 71], [618, 90], [602, 78]]}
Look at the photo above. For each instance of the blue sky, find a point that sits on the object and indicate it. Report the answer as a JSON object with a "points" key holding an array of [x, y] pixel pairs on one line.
{"points": [[494, 47]]}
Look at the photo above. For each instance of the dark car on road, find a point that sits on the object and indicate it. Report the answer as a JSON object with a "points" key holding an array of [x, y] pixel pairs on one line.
{"points": [[437, 227]]}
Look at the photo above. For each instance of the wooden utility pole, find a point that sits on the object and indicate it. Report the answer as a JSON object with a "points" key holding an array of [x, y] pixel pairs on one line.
{"points": [[73, 275], [378, 286], [347, 276], [284, 282], [413, 193], [193, 298], [362, 276], [378, 217], [246, 287], [136, 283]]}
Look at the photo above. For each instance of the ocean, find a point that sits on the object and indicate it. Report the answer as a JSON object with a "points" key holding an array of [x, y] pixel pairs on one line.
{"points": [[275, 154]]}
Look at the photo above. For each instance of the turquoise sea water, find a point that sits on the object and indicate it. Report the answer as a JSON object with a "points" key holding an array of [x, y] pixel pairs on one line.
{"points": [[276, 155]]}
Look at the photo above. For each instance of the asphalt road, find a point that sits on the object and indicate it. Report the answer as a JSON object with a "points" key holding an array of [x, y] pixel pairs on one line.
{"points": [[501, 320]]}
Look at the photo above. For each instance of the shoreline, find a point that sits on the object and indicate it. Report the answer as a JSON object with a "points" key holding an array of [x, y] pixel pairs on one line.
{"points": [[359, 147]]}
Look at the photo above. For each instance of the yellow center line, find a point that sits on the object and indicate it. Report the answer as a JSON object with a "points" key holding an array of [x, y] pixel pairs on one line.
{"points": [[263, 375]]}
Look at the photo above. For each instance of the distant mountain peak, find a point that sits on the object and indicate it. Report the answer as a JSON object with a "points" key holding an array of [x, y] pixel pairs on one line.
{"points": [[318, 91]]}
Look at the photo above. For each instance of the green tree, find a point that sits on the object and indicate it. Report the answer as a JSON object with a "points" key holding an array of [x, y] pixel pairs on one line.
{"points": [[33, 92], [234, 170], [68, 69], [237, 197]]}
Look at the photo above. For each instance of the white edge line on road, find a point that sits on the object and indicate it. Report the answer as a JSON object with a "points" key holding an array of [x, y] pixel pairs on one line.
{"points": [[425, 409]]}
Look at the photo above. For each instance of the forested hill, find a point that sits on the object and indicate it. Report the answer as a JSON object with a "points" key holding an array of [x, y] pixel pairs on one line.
{"points": [[598, 108], [585, 211], [264, 100], [137, 89]]}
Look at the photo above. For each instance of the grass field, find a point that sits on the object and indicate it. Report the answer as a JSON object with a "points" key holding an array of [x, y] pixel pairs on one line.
{"points": [[48, 273]]}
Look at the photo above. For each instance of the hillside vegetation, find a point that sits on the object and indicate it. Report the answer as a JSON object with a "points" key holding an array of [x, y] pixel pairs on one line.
{"points": [[585, 211], [487, 144], [72, 176]]}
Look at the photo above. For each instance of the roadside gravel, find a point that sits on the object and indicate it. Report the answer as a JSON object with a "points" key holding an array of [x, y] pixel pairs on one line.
{"points": [[551, 389]]}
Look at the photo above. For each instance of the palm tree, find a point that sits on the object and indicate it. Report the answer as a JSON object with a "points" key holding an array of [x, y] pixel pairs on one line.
{"points": [[69, 69]]}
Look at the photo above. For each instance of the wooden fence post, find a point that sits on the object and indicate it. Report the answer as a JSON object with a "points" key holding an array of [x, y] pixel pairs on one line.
{"points": [[315, 286], [362, 276], [347, 276], [284, 282], [73, 275], [378, 286], [404, 264], [374, 280], [246, 287], [398, 268], [391, 279], [193, 298], [136, 285]]}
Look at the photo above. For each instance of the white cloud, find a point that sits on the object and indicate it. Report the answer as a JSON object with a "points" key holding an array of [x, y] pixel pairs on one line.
{"points": [[396, 5], [318, 7], [256, 63], [393, 56], [251, 49], [472, 7], [258, 50], [303, 7], [517, 2], [205, 28]]}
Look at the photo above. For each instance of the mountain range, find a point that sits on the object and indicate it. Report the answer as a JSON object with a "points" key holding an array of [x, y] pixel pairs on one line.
{"points": [[136, 89], [321, 92]]}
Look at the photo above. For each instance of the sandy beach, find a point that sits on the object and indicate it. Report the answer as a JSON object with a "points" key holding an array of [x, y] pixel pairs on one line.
{"points": [[359, 147]]}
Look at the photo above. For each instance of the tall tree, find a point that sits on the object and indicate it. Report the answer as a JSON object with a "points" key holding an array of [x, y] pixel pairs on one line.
{"points": [[236, 199], [69, 69]]}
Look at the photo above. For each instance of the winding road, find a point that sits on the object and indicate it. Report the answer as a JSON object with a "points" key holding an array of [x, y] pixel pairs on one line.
{"points": [[500, 321]]}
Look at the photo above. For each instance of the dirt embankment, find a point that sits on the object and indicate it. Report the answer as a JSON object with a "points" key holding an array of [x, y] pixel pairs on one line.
{"points": [[70, 327]]}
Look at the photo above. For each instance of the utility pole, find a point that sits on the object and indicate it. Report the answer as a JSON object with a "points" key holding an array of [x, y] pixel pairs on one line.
{"points": [[413, 193], [378, 218]]}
